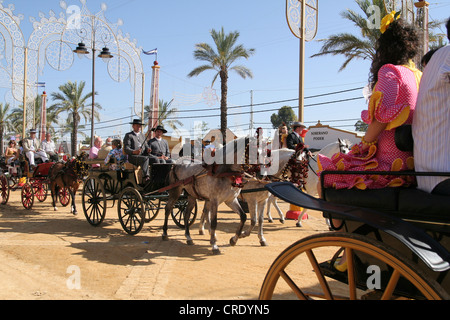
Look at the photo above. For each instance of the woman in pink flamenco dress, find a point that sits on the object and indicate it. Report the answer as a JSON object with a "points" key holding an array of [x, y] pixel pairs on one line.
{"points": [[395, 83]]}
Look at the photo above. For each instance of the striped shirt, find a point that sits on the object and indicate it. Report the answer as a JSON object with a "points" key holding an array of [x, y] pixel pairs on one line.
{"points": [[431, 124]]}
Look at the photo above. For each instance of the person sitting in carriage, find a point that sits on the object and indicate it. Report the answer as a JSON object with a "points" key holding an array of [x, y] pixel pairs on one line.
{"points": [[394, 81], [32, 149], [431, 123], [12, 153], [116, 155], [137, 150], [159, 147]]}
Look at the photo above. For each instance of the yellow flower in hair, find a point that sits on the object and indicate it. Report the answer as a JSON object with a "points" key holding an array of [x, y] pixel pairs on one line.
{"points": [[386, 21]]}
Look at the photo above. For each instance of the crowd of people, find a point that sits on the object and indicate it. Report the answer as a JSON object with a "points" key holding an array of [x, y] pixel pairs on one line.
{"points": [[32, 149]]}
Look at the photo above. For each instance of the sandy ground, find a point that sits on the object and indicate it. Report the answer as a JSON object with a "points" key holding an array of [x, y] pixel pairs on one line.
{"points": [[50, 255]]}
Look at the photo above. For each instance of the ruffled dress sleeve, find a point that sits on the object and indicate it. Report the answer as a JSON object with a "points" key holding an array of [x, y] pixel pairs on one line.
{"points": [[386, 104]]}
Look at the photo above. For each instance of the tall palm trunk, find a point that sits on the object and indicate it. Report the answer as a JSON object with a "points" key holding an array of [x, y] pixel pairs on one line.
{"points": [[1, 141], [223, 105], [74, 134]]}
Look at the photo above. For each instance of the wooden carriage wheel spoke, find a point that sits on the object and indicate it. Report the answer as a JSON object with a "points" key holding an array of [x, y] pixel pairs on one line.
{"points": [[293, 286], [387, 295], [320, 277]]}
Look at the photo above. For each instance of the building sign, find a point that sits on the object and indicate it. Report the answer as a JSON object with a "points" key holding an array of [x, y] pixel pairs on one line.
{"points": [[321, 135]]}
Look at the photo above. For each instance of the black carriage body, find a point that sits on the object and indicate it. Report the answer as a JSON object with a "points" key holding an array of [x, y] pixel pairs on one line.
{"points": [[138, 201]]}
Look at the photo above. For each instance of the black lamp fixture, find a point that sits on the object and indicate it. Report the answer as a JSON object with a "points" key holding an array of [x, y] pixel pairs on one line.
{"points": [[105, 54], [81, 50]]}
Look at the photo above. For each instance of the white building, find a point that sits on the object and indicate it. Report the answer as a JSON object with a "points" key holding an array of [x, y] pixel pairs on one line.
{"points": [[321, 135]]}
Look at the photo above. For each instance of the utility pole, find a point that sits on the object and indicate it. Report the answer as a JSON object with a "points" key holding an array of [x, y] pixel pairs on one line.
{"points": [[251, 111]]}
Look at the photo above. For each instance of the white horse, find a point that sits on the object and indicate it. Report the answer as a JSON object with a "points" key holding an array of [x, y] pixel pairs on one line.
{"points": [[272, 200], [257, 200], [342, 146]]}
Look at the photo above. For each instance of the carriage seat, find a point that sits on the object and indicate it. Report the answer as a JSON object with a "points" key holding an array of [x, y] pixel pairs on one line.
{"points": [[405, 203]]}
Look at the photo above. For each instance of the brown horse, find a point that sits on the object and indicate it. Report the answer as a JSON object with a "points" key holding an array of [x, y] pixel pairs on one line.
{"points": [[68, 175]]}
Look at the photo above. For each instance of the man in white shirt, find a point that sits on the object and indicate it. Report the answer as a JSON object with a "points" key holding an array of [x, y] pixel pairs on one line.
{"points": [[49, 147], [431, 124], [32, 149]]}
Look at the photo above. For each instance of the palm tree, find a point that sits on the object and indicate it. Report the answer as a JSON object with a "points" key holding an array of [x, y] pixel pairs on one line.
{"points": [[355, 47], [221, 62], [70, 99], [352, 46], [17, 116], [166, 114], [5, 123]]}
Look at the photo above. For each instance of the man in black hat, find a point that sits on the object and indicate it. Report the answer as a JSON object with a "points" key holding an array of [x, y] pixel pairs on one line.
{"points": [[159, 146], [295, 137], [135, 147]]}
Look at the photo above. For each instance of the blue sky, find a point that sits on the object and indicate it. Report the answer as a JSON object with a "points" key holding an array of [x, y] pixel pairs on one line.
{"points": [[174, 27]]}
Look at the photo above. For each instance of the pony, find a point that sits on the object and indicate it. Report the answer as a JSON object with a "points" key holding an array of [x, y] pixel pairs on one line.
{"points": [[68, 175], [215, 183], [257, 197], [312, 179], [272, 200]]}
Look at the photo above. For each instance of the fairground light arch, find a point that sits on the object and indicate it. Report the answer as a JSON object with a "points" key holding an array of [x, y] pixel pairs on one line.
{"points": [[53, 40]]}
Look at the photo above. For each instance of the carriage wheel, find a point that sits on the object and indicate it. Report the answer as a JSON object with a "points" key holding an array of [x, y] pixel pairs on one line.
{"points": [[298, 264], [40, 190], [152, 207], [4, 189], [178, 213], [64, 196], [94, 201], [131, 210], [27, 196]]}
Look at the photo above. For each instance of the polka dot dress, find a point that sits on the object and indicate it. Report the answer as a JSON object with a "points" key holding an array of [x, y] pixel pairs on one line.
{"points": [[392, 102]]}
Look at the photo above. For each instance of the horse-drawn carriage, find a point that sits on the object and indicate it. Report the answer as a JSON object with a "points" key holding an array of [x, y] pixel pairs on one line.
{"points": [[396, 243], [36, 185], [137, 202]]}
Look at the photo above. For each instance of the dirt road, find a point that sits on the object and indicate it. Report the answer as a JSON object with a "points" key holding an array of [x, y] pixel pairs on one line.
{"points": [[54, 255]]}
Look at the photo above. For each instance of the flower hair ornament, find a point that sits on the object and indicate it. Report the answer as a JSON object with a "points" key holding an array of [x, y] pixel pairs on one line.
{"points": [[388, 19]]}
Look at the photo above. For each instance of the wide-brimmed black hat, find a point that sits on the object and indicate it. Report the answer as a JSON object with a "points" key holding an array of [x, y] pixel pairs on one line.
{"points": [[297, 124], [33, 131], [159, 128], [137, 121]]}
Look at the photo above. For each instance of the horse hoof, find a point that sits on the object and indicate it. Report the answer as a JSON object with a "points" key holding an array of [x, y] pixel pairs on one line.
{"points": [[215, 251], [55, 209], [299, 224], [263, 243], [190, 242], [233, 241], [75, 213], [270, 220], [165, 238], [201, 232], [282, 221]]}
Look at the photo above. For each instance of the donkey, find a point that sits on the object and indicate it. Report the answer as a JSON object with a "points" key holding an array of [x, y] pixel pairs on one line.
{"points": [[67, 175], [216, 184]]}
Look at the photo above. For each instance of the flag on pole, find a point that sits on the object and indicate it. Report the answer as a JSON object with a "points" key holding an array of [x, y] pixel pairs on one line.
{"points": [[150, 52]]}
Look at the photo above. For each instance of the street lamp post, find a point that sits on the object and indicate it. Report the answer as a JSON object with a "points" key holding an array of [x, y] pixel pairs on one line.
{"points": [[81, 50], [302, 18]]}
